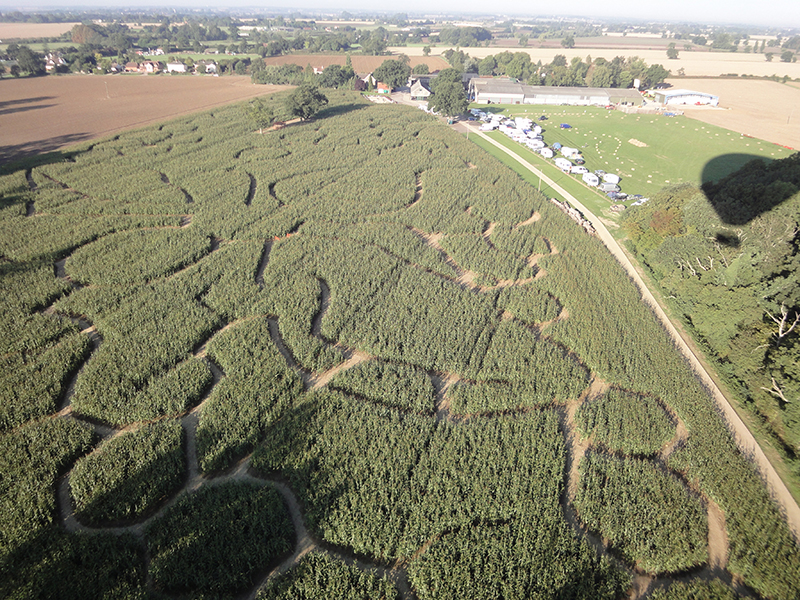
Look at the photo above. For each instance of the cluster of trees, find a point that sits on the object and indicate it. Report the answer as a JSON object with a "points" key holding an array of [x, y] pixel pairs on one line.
{"points": [[599, 72], [728, 255]]}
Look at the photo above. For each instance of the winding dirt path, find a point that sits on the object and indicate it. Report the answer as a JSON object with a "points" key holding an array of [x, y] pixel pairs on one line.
{"points": [[741, 434]]}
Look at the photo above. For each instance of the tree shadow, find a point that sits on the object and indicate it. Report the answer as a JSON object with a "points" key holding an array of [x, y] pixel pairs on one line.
{"points": [[338, 110], [740, 187], [34, 153]]}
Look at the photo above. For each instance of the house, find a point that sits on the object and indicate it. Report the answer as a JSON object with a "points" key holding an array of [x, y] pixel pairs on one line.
{"points": [[53, 61], [318, 70], [176, 67], [205, 66], [383, 88], [368, 79], [419, 91], [150, 66], [131, 67]]}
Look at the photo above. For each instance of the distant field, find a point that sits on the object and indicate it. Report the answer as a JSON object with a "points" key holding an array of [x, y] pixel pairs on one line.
{"points": [[764, 109], [664, 150], [24, 31], [361, 64], [695, 64], [48, 113]]}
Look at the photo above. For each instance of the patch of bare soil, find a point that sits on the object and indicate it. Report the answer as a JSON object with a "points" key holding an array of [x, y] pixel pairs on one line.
{"points": [[44, 114], [529, 221]]}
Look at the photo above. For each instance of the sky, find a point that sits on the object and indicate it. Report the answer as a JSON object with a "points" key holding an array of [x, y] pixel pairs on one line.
{"points": [[777, 13]]}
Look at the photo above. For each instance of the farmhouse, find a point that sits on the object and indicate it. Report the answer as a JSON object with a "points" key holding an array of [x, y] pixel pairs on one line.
{"points": [[494, 91], [419, 91], [685, 97]]}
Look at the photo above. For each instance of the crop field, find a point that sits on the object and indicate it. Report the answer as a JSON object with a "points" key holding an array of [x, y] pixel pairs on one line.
{"points": [[762, 109], [43, 114], [353, 357], [361, 64], [647, 151], [24, 31], [694, 64]]}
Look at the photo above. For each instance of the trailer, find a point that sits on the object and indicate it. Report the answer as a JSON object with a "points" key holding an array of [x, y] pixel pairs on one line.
{"points": [[591, 179], [546, 152], [563, 164], [611, 178]]}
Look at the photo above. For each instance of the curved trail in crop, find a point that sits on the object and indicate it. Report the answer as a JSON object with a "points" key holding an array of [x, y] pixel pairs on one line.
{"points": [[743, 437]]}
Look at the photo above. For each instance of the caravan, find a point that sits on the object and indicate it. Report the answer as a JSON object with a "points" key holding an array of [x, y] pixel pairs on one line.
{"points": [[563, 164]]}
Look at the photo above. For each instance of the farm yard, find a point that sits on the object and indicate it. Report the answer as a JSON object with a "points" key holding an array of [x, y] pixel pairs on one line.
{"points": [[44, 114], [354, 356]]}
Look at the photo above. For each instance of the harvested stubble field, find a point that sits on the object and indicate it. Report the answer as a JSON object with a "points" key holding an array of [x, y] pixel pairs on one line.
{"points": [[361, 64], [263, 295], [43, 114], [766, 110], [26, 31]]}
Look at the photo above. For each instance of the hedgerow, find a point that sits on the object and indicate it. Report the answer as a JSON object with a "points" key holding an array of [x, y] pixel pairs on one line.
{"points": [[127, 476], [625, 422], [318, 576], [214, 540], [617, 498], [399, 386]]}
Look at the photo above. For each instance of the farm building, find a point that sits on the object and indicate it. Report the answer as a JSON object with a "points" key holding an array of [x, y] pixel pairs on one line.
{"points": [[486, 91], [685, 97], [419, 91]]}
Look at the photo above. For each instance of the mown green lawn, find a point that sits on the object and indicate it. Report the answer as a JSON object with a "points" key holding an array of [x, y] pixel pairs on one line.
{"points": [[674, 150]]}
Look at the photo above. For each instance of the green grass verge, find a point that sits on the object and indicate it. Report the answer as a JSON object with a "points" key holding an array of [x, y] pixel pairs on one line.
{"points": [[677, 149]]}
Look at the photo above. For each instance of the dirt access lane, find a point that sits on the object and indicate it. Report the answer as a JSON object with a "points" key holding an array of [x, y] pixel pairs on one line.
{"points": [[44, 114], [741, 434]]}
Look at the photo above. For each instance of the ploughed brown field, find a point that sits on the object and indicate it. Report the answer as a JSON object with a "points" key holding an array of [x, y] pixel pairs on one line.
{"points": [[361, 64], [43, 114]]}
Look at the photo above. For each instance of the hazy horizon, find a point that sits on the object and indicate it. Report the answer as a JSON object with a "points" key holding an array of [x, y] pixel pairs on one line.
{"points": [[780, 13]]}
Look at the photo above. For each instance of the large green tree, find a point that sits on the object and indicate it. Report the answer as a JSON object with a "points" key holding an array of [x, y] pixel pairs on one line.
{"points": [[449, 99], [393, 73], [305, 101], [30, 61]]}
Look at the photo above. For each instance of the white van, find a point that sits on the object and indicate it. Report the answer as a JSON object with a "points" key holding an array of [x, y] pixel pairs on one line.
{"points": [[578, 170], [591, 179], [611, 178], [563, 164], [609, 187]]}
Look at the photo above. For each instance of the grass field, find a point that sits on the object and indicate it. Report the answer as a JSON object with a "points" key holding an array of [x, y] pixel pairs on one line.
{"points": [[664, 150]]}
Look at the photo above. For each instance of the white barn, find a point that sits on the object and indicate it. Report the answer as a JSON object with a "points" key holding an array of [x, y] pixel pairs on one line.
{"points": [[493, 91], [668, 97]]}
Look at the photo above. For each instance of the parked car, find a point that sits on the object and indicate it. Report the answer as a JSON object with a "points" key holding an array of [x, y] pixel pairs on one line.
{"points": [[599, 172], [579, 160]]}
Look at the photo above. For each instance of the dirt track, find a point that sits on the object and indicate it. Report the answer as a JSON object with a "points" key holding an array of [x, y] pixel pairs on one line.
{"points": [[741, 434], [43, 114]]}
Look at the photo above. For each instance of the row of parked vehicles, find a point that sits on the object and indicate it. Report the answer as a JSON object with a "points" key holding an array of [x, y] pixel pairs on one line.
{"points": [[526, 132]]}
